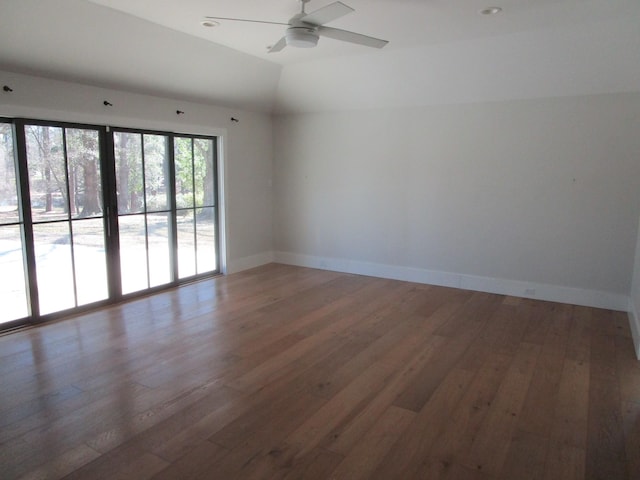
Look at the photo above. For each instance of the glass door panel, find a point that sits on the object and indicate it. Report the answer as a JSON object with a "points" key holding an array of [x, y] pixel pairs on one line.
{"points": [[206, 240], [158, 206], [133, 255], [186, 243], [85, 179], [13, 289], [159, 244], [9, 211], [90, 267], [144, 220], [204, 173], [13, 293], [156, 173], [195, 186], [67, 216], [86, 205], [184, 172], [47, 173], [54, 266]]}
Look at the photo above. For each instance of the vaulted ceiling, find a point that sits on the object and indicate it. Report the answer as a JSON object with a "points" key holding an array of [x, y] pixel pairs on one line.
{"points": [[439, 52]]}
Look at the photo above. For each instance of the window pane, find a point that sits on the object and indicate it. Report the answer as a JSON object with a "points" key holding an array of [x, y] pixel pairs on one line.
{"points": [[156, 172], [128, 153], [206, 250], [47, 172], [203, 172], [53, 266], [13, 292], [83, 161], [186, 244], [9, 212], [159, 258], [90, 260], [133, 253], [184, 172]]}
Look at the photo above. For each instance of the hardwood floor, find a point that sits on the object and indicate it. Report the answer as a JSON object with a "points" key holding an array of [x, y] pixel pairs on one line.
{"points": [[283, 372]]}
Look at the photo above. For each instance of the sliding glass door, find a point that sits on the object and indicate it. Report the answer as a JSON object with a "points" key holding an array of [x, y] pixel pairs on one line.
{"points": [[196, 205], [144, 209], [13, 288], [81, 223], [67, 216]]}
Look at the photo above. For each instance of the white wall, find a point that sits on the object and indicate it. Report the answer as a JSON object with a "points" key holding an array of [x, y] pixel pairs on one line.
{"points": [[247, 150], [535, 198], [634, 303]]}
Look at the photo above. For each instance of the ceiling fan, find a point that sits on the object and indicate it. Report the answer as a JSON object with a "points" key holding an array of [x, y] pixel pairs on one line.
{"points": [[304, 29]]}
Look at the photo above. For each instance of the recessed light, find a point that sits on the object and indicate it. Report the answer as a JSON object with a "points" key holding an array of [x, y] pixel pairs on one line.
{"points": [[209, 23], [490, 11]]}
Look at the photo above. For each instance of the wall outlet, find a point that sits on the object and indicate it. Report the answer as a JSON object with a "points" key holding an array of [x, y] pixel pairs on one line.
{"points": [[530, 292]]}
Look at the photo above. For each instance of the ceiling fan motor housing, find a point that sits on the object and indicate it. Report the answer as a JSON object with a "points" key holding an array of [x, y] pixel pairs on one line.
{"points": [[301, 37]]}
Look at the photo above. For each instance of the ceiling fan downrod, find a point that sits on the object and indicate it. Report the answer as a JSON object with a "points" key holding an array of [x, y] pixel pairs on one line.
{"points": [[303, 4]]}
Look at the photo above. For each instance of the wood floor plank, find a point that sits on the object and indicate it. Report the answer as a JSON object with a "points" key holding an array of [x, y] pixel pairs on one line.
{"points": [[479, 307], [631, 421], [545, 384], [335, 381], [417, 394], [358, 393], [282, 372], [489, 449], [366, 456], [121, 463], [526, 458], [345, 435], [456, 440], [565, 461], [580, 333], [266, 417], [628, 370], [195, 464], [318, 465], [572, 406], [405, 458], [63, 464], [443, 470], [253, 451], [156, 429], [606, 449], [540, 321], [282, 363]]}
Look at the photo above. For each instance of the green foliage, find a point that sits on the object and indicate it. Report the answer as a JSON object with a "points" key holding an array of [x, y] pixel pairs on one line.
{"points": [[64, 169], [194, 171], [8, 192]]}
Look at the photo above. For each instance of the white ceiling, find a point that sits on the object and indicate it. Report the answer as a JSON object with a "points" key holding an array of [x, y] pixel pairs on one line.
{"points": [[440, 51], [405, 23]]}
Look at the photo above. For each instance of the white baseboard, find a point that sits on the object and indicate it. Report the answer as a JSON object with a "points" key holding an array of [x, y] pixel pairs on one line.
{"points": [[252, 261], [517, 288], [634, 323]]}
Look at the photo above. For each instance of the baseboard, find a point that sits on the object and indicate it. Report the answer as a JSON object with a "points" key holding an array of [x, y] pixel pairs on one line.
{"points": [[634, 323], [541, 291], [245, 263]]}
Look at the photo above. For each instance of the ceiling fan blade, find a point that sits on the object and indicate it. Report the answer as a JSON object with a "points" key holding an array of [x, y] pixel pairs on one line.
{"points": [[351, 37], [326, 14], [279, 45], [246, 20]]}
